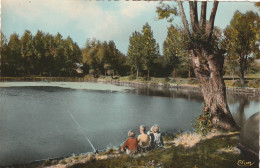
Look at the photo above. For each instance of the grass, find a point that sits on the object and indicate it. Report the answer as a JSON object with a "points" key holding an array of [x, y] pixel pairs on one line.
{"points": [[253, 83], [216, 152]]}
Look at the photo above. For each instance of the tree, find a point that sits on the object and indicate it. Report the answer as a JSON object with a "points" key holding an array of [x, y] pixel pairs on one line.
{"points": [[150, 50], [3, 51], [175, 50], [134, 53], [39, 52], [13, 57], [50, 65], [59, 57], [207, 61], [103, 57], [27, 51], [240, 39]]}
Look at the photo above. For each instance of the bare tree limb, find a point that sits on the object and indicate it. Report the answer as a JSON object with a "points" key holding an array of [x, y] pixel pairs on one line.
{"points": [[212, 19], [196, 13], [193, 16], [203, 15], [183, 17]]}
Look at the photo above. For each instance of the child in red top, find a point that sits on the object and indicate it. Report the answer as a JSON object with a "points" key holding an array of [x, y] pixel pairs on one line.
{"points": [[130, 143]]}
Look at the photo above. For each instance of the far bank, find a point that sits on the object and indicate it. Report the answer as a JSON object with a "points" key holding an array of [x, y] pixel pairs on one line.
{"points": [[233, 86]]}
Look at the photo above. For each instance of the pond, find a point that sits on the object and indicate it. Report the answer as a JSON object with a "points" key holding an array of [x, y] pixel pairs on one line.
{"points": [[41, 120]]}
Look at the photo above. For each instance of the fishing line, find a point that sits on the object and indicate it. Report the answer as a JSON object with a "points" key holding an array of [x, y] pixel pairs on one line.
{"points": [[80, 128]]}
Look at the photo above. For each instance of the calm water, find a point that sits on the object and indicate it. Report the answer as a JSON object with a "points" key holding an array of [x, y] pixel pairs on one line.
{"points": [[36, 121]]}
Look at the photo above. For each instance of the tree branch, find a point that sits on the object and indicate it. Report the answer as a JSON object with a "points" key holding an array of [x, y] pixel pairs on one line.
{"points": [[183, 17], [193, 16], [196, 13], [203, 15], [212, 19]]}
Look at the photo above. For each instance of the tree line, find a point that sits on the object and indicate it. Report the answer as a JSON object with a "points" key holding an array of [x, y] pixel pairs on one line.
{"points": [[43, 54]]}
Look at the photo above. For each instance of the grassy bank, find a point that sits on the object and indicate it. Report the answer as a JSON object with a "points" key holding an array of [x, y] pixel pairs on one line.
{"points": [[185, 150], [230, 83], [252, 82]]}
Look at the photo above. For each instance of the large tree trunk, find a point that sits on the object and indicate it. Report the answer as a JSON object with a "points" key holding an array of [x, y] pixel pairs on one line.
{"points": [[208, 65], [137, 73], [213, 88]]}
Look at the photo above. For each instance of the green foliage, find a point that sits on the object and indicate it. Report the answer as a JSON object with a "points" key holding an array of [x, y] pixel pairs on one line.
{"points": [[203, 123], [150, 50], [134, 53], [205, 154], [92, 71], [240, 41], [175, 50], [165, 11], [104, 57], [254, 83], [143, 50], [145, 78], [39, 55], [132, 77], [237, 83]]}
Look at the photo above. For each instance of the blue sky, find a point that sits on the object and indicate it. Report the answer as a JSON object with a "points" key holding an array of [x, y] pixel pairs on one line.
{"points": [[103, 20]]}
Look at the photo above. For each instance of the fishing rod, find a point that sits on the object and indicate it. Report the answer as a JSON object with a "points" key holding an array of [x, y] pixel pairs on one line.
{"points": [[80, 128]]}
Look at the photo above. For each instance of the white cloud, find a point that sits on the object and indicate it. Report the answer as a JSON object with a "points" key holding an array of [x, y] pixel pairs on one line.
{"points": [[112, 21], [86, 15], [135, 8]]}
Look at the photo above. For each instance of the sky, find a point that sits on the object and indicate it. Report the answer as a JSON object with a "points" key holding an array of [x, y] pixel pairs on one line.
{"points": [[102, 20]]}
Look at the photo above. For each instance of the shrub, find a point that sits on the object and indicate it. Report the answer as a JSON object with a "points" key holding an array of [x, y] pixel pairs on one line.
{"points": [[254, 83], [145, 78], [237, 83], [132, 77], [203, 123], [54, 162], [46, 163], [63, 161]]}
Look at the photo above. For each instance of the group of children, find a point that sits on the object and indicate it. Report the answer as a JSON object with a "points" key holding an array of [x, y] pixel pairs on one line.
{"points": [[144, 141]]}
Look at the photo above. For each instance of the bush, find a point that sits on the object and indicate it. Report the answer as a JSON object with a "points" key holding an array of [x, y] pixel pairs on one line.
{"points": [[203, 123], [254, 83], [132, 77], [145, 78], [46, 163], [237, 83]]}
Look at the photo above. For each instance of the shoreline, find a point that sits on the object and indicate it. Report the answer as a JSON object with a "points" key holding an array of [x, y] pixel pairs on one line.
{"points": [[130, 83], [178, 142]]}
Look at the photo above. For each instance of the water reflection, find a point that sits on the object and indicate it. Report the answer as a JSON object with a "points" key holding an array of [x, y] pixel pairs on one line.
{"points": [[242, 106], [173, 93]]}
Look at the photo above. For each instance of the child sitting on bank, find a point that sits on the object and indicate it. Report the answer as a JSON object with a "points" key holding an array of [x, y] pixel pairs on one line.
{"points": [[158, 140], [130, 145], [143, 140]]}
